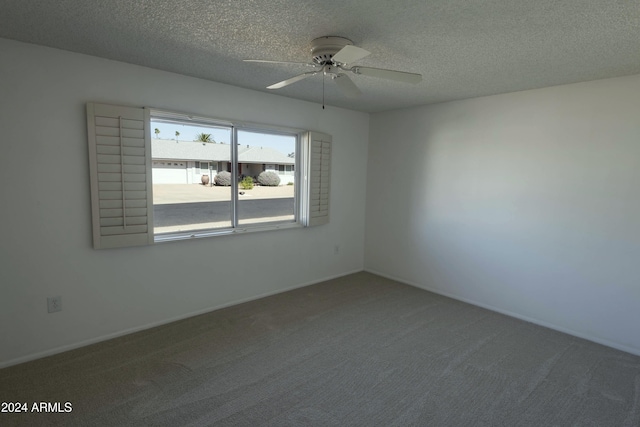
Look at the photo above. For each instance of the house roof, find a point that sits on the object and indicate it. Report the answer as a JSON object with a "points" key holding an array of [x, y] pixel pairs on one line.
{"points": [[207, 151]]}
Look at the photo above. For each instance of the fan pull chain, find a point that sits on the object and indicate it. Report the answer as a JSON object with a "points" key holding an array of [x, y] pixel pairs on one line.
{"points": [[323, 90]]}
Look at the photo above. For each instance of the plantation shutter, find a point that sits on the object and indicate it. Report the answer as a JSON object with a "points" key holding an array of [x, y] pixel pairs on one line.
{"points": [[120, 170], [319, 177]]}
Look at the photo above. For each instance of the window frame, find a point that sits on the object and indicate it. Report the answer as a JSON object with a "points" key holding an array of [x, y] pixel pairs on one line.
{"points": [[300, 195]]}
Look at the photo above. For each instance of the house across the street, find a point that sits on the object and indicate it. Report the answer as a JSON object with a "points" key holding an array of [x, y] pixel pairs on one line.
{"points": [[184, 162]]}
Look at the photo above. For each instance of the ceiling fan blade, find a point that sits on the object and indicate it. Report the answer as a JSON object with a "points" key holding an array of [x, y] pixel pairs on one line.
{"points": [[399, 76], [347, 86], [292, 80], [265, 61], [350, 54]]}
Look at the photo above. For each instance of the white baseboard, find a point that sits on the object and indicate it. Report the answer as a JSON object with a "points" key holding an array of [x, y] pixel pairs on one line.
{"points": [[106, 337], [617, 346], [62, 349]]}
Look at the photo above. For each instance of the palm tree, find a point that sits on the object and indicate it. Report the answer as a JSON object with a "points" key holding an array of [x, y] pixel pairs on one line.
{"points": [[177, 135], [157, 131], [204, 137]]}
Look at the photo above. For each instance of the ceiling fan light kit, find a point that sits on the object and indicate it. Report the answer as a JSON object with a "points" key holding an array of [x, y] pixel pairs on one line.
{"points": [[332, 56]]}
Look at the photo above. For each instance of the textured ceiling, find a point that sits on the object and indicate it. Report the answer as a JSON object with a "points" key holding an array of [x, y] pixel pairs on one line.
{"points": [[463, 48]]}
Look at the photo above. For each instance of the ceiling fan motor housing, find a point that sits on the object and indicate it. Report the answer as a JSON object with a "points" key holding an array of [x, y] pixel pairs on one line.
{"points": [[323, 48]]}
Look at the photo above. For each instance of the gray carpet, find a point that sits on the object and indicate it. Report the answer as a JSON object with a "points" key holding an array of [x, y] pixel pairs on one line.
{"points": [[359, 350]]}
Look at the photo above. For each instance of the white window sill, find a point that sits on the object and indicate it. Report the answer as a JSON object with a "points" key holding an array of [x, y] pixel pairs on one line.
{"points": [[187, 235]]}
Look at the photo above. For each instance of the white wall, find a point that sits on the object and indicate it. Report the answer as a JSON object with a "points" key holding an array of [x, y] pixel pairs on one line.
{"points": [[528, 203], [45, 249]]}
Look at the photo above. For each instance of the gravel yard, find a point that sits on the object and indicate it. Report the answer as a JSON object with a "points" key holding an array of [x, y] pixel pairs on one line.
{"points": [[189, 193]]}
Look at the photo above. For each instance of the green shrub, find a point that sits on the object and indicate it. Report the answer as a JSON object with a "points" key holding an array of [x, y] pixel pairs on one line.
{"points": [[289, 183], [246, 183], [223, 178], [269, 179]]}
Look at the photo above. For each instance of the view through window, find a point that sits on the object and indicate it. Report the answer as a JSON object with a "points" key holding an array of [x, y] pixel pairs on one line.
{"points": [[262, 161], [193, 176]]}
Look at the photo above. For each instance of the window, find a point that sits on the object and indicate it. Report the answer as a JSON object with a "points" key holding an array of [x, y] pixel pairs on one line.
{"points": [[286, 169], [271, 199], [254, 183]]}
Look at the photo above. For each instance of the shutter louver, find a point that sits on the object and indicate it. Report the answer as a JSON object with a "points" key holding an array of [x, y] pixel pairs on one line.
{"points": [[120, 169], [319, 177]]}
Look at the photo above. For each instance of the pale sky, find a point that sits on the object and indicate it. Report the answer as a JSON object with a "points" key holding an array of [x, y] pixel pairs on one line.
{"points": [[284, 144]]}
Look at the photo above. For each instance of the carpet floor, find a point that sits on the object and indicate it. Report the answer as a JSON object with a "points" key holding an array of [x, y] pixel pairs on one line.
{"points": [[358, 350]]}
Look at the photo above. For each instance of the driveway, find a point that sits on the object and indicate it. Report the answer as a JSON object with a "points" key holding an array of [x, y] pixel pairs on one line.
{"points": [[185, 193]]}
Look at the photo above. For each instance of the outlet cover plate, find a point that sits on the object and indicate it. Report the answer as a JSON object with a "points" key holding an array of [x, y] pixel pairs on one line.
{"points": [[54, 304]]}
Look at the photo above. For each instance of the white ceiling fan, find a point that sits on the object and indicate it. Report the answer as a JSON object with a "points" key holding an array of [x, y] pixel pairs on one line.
{"points": [[333, 56]]}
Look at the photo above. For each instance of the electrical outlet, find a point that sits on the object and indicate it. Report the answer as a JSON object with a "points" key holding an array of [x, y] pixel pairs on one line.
{"points": [[336, 249], [54, 304]]}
